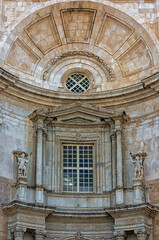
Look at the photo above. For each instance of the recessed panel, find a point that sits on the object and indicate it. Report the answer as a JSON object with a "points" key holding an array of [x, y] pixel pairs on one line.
{"points": [[136, 59], [78, 24], [44, 34], [22, 57], [113, 34]]}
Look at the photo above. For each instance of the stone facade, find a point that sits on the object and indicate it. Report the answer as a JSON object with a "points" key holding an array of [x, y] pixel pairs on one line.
{"points": [[116, 45]]}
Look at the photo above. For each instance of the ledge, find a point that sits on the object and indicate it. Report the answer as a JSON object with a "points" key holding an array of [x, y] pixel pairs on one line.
{"points": [[146, 89]]}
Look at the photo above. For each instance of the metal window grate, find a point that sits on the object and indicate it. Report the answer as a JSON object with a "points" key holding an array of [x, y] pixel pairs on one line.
{"points": [[77, 83], [77, 168]]}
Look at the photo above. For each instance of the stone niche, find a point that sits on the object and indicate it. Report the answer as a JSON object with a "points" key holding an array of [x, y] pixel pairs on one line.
{"points": [[77, 172]]}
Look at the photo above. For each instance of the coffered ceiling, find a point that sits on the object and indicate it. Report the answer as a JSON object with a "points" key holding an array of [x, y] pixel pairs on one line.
{"points": [[123, 44]]}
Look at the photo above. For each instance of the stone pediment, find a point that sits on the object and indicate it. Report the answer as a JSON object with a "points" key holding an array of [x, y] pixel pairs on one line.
{"points": [[77, 112]]}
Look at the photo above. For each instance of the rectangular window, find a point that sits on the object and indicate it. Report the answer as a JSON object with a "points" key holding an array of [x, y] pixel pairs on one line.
{"points": [[78, 168]]}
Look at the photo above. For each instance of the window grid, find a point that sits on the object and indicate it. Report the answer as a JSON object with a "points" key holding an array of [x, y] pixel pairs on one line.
{"points": [[77, 83], [78, 168]]}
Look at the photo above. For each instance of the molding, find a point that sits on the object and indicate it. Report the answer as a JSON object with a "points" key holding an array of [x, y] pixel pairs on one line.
{"points": [[77, 53], [146, 89]]}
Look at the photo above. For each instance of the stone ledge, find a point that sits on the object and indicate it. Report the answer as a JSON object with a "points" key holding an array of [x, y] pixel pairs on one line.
{"points": [[147, 88]]}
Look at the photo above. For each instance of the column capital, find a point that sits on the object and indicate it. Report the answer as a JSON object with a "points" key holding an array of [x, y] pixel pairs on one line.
{"points": [[113, 134], [142, 233], [18, 231], [120, 235], [40, 234]]}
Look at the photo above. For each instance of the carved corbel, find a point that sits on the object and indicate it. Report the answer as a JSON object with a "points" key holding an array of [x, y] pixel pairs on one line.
{"points": [[142, 234], [120, 235]]}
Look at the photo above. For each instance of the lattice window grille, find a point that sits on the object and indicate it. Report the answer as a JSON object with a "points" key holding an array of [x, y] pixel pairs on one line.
{"points": [[77, 83]]}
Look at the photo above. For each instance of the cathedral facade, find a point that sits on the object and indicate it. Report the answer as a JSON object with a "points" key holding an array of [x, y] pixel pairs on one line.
{"points": [[79, 120]]}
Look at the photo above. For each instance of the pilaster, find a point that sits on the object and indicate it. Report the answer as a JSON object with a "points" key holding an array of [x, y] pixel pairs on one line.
{"points": [[119, 191], [39, 163]]}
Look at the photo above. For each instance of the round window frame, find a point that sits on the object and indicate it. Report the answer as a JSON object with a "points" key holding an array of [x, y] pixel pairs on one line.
{"points": [[87, 73]]}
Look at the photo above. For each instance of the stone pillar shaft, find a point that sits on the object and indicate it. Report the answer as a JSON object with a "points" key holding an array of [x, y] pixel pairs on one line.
{"points": [[39, 157], [113, 142], [119, 156], [108, 167]]}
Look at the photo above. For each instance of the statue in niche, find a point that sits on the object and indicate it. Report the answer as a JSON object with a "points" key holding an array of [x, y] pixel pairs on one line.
{"points": [[138, 160], [21, 162]]}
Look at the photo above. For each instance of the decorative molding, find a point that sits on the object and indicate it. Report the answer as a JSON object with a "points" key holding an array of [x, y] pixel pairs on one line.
{"points": [[77, 53], [142, 91]]}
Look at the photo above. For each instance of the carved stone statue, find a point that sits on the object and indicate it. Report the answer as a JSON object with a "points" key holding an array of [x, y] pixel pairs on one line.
{"points": [[21, 162], [138, 160]]}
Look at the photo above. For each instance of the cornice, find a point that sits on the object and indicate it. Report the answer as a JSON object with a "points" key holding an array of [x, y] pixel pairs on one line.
{"points": [[142, 91]]}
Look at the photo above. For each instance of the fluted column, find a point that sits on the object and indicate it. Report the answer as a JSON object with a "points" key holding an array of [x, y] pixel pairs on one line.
{"points": [[113, 143], [119, 155], [39, 155], [120, 235], [142, 234], [108, 166], [18, 232], [39, 164], [119, 191], [39, 234]]}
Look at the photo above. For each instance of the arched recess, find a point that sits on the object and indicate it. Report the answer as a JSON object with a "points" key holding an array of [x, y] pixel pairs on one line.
{"points": [[132, 56]]}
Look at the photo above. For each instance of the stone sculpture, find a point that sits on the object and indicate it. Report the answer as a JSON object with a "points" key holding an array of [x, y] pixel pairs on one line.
{"points": [[138, 160], [21, 162]]}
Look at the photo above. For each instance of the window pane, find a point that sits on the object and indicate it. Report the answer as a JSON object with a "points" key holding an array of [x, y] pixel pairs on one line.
{"points": [[77, 168]]}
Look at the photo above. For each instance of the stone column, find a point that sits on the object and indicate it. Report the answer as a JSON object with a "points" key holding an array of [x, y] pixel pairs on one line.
{"points": [[120, 235], [119, 191], [113, 143], [39, 155], [108, 167], [39, 167], [18, 232], [39, 234], [142, 234]]}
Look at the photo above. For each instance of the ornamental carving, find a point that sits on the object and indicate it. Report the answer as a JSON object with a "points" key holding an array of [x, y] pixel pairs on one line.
{"points": [[120, 235], [22, 158], [74, 53], [142, 234], [18, 231], [78, 235], [138, 161]]}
